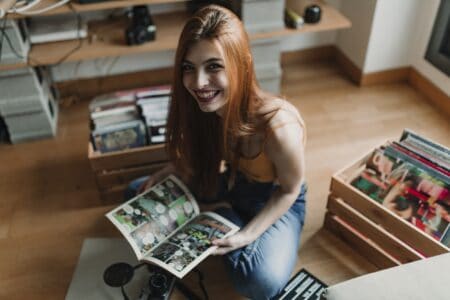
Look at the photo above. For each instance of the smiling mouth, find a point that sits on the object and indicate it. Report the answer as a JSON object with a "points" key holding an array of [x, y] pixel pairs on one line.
{"points": [[206, 96]]}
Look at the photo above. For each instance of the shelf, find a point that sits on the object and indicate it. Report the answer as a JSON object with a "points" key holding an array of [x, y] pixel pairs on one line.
{"points": [[107, 38], [331, 19], [92, 7]]}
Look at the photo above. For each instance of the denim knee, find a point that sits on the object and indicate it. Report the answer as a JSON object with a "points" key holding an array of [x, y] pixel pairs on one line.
{"points": [[133, 187], [262, 269], [260, 283]]}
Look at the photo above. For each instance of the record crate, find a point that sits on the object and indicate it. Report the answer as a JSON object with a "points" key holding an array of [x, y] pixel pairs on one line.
{"points": [[114, 170], [377, 233]]}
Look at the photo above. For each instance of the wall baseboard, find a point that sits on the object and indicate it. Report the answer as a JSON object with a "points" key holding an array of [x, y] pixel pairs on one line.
{"points": [[348, 67], [308, 55], [86, 89], [387, 76], [433, 94]]}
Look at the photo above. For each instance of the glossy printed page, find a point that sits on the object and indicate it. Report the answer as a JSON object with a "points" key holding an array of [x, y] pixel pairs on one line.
{"points": [[149, 218], [191, 244]]}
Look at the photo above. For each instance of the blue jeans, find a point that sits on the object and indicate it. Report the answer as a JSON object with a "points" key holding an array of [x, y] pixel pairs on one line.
{"points": [[261, 269]]}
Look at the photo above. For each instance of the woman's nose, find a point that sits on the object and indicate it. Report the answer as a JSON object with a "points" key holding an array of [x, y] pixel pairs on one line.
{"points": [[202, 79]]}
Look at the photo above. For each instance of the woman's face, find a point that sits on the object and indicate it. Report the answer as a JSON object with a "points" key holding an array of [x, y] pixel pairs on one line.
{"points": [[204, 75]]}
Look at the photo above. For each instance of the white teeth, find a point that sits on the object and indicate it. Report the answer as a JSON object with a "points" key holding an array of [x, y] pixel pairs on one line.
{"points": [[206, 94]]}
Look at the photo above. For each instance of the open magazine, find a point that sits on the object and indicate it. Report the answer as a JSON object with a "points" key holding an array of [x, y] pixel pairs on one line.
{"points": [[164, 227]]}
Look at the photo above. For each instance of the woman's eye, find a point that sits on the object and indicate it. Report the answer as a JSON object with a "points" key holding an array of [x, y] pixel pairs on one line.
{"points": [[214, 67], [186, 68]]}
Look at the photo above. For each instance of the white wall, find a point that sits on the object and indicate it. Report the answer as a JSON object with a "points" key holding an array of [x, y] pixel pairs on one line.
{"points": [[353, 42], [392, 35], [424, 27], [389, 34]]}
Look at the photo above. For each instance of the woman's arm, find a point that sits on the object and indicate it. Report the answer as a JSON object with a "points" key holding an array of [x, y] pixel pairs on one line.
{"points": [[157, 176], [286, 151]]}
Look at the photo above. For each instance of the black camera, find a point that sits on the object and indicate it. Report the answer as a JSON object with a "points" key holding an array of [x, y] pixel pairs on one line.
{"points": [[160, 284], [141, 28]]}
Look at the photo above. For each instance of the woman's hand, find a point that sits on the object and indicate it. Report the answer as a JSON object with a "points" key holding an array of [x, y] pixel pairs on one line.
{"points": [[236, 241]]}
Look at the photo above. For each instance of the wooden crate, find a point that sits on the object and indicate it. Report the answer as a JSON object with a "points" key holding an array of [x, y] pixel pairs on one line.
{"points": [[114, 170], [376, 232]]}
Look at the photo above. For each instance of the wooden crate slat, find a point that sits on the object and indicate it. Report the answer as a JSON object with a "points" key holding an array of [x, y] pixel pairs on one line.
{"points": [[110, 179], [128, 158], [353, 169], [365, 247], [381, 215], [383, 238]]}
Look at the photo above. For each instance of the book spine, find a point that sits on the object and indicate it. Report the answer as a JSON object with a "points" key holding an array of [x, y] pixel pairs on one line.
{"points": [[391, 151], [113, 111], [425, 144], [432, 158], [420, 158]]}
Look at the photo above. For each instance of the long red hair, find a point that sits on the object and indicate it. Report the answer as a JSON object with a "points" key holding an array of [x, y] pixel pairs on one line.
{"points": [[197, 141]]}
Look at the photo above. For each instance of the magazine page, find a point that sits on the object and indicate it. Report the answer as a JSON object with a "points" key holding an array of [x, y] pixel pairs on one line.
{"points": [[191, 244], [149, 218]]}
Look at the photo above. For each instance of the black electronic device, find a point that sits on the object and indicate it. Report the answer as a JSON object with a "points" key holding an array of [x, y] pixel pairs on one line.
{"points": [[312, 14], [141, 28], [159, 284]]}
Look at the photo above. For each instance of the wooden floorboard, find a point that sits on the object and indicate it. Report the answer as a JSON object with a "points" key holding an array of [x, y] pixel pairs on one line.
{"points": [[49, 202]]}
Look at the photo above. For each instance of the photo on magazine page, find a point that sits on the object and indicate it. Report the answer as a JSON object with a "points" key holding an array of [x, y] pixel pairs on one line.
{"points": [[149, 218], [192, 243]]}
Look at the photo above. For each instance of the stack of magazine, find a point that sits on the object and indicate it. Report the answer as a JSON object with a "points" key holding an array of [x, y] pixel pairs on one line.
{"points": [[129, 119], [411, 177]]}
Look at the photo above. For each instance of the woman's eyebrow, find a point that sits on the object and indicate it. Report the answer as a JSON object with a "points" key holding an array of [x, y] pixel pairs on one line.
{"points": [[213, 59], [209, 60]]}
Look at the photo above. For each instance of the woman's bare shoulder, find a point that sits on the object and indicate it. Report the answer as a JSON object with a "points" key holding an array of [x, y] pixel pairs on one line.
{"points": [[279, 111]]}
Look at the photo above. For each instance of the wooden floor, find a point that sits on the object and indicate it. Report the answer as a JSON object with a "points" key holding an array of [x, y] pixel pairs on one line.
{"points": [[49, 202]]}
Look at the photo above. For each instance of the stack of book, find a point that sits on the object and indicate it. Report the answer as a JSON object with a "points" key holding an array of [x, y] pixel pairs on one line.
{"points": [[154, 106], [129, 119], [411, 178]]}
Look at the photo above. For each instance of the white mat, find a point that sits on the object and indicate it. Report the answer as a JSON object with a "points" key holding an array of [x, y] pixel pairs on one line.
{"points": [[96, 255]]}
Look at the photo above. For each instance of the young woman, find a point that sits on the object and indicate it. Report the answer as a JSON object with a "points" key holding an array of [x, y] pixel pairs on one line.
{"points": [[218, 113]]}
